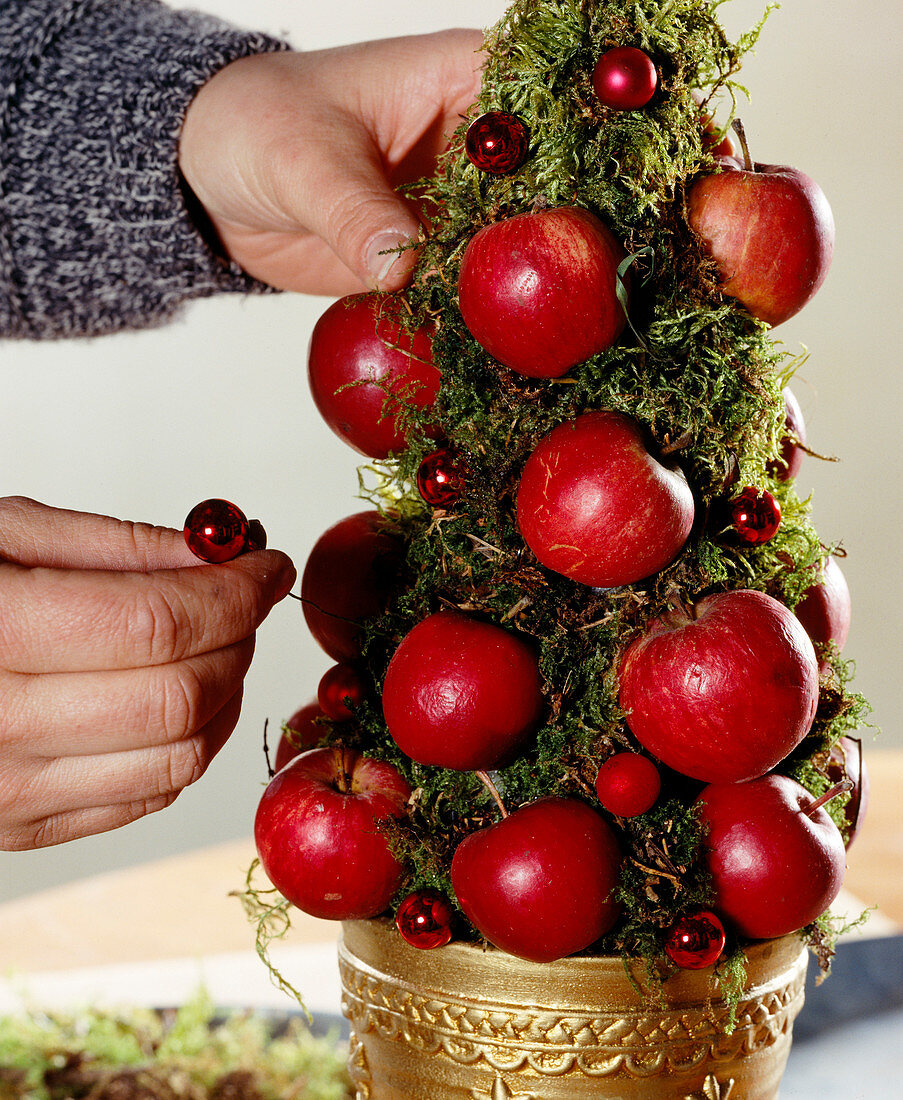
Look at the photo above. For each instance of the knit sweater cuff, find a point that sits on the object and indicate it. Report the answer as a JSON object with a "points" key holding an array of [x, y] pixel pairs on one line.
{"points": [[95, 232]]}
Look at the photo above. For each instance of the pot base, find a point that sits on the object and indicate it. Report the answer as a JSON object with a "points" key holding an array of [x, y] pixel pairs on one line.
{"points": [[464, 1023]]}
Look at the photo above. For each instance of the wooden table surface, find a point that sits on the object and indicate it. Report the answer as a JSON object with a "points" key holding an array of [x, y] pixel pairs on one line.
{"points": [[180, 906]]}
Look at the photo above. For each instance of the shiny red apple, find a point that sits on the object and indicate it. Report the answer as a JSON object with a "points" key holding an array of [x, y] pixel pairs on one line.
{"points": [[770, 231], [539, 290], [790, 461], [462, 693], [775, 867], [362, 364], [541, 883], [628, 784], [346, 580], [596, 505], [846, 762], [825, 608], [724, 690], [318, 837], [340, 686], [302, 731]]}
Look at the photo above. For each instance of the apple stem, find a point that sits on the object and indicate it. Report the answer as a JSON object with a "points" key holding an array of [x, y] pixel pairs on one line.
{"points": [[838, 788], [676, 599], [493, 790], [343, 777], [738, 129], [676, 445]]}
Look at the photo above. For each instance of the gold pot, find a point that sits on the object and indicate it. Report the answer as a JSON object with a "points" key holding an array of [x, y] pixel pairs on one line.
{"points": [[464, 1022]]}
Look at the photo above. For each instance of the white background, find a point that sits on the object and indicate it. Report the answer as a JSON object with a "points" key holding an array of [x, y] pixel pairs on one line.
{"points": [[145, 425]]}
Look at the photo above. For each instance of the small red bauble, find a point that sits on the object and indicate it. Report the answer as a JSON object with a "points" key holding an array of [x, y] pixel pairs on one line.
{"points": [[217, 531], [424, 919], [756, 516], [628, 784], [337, 684], [440, 478], [496, 143], [625, 78], [695, 941]]}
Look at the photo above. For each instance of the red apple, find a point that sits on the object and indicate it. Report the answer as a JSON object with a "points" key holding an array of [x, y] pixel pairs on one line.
{"points": [[302, 732], [846, 762], [462, 693], [338, 684], [724, 690], [791, 458], [770, 231], [719, 144], [346, 580], [539, 291], [825, 608], [361, 363], [318, 838], [595, 505], [774, 867], [540, 883], [628, 784]]}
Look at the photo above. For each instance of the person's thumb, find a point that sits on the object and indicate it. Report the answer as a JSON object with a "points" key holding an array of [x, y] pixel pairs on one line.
{"points": [[370, 227]]}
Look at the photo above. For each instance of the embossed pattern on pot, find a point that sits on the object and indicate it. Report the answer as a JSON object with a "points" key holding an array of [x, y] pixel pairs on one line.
{"points": [[467, 1023]]}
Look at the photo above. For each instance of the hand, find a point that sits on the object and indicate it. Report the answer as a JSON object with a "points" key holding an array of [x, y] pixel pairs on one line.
{"points": [[294, 156], [121, 666]]}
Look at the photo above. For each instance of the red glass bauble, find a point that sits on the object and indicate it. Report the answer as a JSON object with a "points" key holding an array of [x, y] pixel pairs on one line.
{"points": [[695, 941], [440, 478], [628, 784], [497, 143], [217, 531], [625, 78], [756, 515], [424, 919], [337, 684]]}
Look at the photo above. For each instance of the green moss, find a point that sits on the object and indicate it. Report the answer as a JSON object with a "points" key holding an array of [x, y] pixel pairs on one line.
{"points": [[732, 977], [193, 1052]]}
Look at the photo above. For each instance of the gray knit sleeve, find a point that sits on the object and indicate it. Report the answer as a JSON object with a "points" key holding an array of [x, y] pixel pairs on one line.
{"points": [[95, 232]]}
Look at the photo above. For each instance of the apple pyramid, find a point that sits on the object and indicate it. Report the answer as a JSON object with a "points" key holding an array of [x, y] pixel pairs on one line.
{"points": [[572, 707]]}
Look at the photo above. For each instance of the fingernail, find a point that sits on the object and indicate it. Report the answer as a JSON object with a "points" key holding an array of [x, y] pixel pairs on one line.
{"points": [[285, 581], [382, 256]]}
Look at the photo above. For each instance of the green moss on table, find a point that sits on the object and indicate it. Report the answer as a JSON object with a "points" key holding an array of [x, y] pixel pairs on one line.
{"points": [[186, 1054]]}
